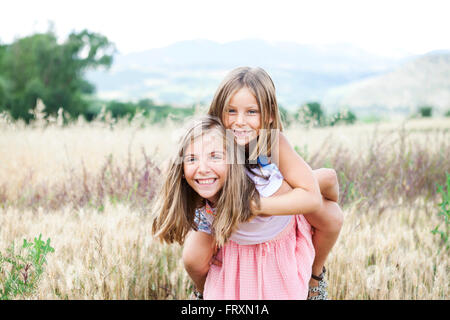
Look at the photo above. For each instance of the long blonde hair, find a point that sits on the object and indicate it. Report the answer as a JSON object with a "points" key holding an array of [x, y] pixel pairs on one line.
{"points": [[261, 85], [177, 202]]}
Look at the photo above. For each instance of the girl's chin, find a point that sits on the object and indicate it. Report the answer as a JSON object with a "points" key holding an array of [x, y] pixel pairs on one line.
{"points": [[244, 141], [210, 196]]}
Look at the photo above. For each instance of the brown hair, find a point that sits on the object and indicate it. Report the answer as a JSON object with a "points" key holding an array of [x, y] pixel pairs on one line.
{"points": [[261, 85], [177, 202]]}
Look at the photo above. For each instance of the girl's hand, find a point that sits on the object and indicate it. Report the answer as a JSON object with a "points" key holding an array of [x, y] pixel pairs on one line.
{"points": [[256, 210], [214, 260]]}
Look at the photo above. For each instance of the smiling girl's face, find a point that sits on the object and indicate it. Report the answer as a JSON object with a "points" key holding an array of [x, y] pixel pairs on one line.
{"points": [[242, 115], [204, 165]]}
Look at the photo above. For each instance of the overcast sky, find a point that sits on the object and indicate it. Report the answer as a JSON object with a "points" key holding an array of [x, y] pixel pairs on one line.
{"points": [[391, 27]]}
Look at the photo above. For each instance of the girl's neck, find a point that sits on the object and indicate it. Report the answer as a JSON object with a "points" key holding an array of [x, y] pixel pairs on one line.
{"points": [[211, 202]]}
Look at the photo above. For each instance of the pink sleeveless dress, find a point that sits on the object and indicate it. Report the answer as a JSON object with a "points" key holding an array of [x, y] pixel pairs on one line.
{"points": [[273, 269]]}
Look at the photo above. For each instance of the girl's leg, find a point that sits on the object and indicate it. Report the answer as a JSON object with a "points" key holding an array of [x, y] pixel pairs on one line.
{"points": [[327, 222], [328, 183], [198, 250]]}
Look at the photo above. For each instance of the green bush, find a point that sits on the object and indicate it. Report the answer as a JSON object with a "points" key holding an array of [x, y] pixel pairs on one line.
{"points": [[154, 113], [311, 113], [285, 116], [345, 116], [444, 211], [426, 111], [21, 271]]}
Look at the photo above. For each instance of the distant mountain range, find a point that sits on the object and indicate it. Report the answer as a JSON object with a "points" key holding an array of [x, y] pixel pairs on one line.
{"points": [[422, 81], [189, 72]]}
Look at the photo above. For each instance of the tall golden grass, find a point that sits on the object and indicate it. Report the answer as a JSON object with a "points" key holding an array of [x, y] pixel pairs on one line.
{"points": [[89, 187]]}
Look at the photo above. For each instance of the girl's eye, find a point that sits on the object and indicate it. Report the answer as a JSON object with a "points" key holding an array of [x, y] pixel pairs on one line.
{"points": [[231, 111], [217, 156], [189, 159], [252, 111]]}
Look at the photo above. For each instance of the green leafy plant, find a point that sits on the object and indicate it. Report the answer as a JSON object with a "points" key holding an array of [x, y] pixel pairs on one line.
{"points": [[21, 271], [302, 151], [444, 211], [344, 116], [349, 191], [311, 113], [425, 111]]}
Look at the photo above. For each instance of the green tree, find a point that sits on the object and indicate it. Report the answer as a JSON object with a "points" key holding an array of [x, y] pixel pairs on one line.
{"points": [[3, 93], [3, 82], [311, 113], [122, 109], [425, 111], [344, 116], [154, 113], [286, 117], [38, 66]]}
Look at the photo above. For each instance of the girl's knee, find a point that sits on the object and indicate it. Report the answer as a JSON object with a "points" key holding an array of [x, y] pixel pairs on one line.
{"points": [[337, 217], [326, 177], [330, 177], [333, 218]]}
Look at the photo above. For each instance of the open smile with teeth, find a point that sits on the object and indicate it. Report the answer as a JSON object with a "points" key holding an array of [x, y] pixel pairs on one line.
{"points": [[242, 133], [205, 181]]}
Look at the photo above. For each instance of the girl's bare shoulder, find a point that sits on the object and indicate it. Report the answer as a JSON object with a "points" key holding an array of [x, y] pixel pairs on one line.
{"points": [[293, 167], [286, 153]]}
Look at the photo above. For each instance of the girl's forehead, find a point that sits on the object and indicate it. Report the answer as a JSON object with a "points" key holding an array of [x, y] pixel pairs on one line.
{"points": [[210, 140], [242, 90]]}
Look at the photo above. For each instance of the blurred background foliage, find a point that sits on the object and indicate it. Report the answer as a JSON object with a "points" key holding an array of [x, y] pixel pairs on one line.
{"points": [[39, 67]]}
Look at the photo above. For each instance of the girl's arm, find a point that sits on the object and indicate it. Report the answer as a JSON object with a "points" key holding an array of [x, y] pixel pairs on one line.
{"points": [[305, 196], [198, 250]]}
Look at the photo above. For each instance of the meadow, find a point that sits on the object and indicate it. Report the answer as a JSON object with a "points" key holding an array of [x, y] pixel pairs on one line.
{"points": [[89, 187]]}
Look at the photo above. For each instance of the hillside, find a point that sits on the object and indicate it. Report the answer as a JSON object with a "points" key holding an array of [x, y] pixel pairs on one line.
{"points": [[421, 81], [189, 72]]}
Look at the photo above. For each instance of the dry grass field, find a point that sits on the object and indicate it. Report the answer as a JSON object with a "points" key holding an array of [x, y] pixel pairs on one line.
{"points": [[89, 188]]}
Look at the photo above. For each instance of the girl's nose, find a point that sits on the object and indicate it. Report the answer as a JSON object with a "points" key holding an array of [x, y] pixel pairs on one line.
{"points": [[203, 166], [240, 119]]}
